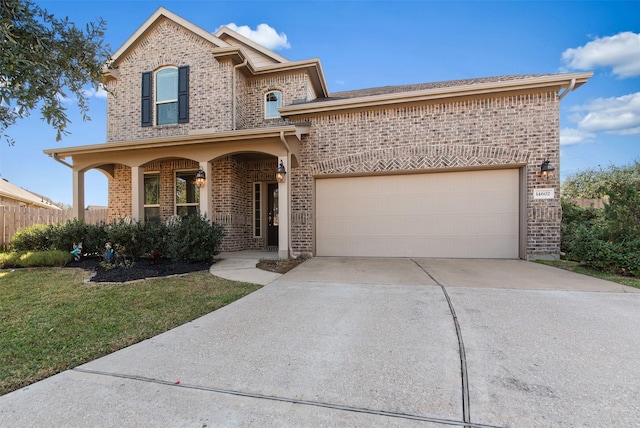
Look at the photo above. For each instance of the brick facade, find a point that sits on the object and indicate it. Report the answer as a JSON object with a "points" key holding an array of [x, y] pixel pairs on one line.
{"points": [[519, 131], [516, 129], [169, 44]]}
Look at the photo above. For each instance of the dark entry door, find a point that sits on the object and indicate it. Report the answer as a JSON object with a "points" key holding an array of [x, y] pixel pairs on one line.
{"points": [[272, 210]]}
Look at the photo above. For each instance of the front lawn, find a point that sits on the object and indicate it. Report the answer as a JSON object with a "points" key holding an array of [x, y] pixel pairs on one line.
{"points": [[585, 270], [51, 320]]}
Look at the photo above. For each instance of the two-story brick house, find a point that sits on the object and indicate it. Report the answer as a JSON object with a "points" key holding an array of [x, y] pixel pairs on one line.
{"points": [[201, 123]]}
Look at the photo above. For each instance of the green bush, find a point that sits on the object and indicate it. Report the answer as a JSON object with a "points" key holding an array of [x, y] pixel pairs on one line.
{"points": [[623, 212], [128, 239], [59, 236], [32, 238], [193, 239], [51, 258], [96, 237], [9, 260], [574, 217], [65, 235]]}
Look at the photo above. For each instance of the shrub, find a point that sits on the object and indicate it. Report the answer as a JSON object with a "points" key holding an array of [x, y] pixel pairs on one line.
{"points": [[574, 217], [193, 239], [64, 235], [32, 238], [95, 238], [34, 259], [9, 260], [128, 239]]}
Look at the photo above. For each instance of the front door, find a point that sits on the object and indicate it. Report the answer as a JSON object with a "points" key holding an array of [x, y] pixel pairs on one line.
{"points": [[272, 212]]}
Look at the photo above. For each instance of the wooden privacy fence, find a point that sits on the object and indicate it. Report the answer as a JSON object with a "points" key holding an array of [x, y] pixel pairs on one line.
{"points": [[13, 218]]}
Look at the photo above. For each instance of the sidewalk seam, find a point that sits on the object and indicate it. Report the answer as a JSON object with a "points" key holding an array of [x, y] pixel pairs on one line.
{"points": [[466, 413], [285, 399]]}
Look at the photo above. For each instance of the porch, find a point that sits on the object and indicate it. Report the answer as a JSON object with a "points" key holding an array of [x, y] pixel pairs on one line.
{"points": [[238, 189]]}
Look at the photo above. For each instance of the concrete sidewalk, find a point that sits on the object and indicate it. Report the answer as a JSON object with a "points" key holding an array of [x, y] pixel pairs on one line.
{"points": [[370, 342], [241, 266]]}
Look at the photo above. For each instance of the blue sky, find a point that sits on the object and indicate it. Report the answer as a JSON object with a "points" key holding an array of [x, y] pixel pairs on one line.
{"points": [[365, 44]]}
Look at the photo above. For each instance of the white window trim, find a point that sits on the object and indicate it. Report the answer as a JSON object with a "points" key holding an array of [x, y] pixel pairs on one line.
{"points": [[156, 103], [259, 206], [145, 196]]}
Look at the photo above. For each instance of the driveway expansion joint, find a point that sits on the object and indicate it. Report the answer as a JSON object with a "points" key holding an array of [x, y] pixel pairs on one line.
{"points": [[466, 414], [342, 407]]}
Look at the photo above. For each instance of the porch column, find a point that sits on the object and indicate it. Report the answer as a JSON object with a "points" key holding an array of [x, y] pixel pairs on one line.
{"points": [[137, 193], [205, 191], [78, 194], [283, 210]]}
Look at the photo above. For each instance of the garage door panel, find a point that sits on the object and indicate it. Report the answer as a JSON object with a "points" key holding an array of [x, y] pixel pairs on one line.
{"points": [[457, 214]]}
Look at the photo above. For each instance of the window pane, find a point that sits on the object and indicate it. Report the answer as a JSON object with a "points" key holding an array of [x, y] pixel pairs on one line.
{"points": [[273, 103], [187, 211], [257, 212], [151, 189], [167, 113], [152, 213], [187, 192], [167, 84]]}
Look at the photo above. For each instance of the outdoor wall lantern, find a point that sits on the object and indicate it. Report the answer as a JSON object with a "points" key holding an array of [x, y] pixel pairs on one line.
{"points": [[201, 178], [546, 170], [281, 175]]}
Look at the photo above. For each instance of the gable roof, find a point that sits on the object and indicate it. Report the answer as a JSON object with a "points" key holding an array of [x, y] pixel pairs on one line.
{"points": [[226, 43], [223, 38], [11, 191], [153, 20], [254, 49]]}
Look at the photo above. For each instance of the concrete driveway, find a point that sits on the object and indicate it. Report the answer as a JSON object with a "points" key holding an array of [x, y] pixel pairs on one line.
{"points": [[373, 342]]}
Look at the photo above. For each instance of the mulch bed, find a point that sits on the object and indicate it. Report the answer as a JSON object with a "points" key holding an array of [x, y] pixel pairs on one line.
{"points": [[141, 269]]}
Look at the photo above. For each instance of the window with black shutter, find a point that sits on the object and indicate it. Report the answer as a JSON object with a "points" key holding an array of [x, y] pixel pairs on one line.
{"points": [[170, 92], [146, 99]]}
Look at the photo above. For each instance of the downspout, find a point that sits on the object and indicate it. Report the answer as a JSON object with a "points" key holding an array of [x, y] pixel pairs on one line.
{"points": [[55, 157], [569, 89], [233, 92], [286, 146]]}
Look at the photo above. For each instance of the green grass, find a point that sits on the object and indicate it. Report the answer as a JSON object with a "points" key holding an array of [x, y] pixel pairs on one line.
{"points": [[585, 270], [51, 320]]}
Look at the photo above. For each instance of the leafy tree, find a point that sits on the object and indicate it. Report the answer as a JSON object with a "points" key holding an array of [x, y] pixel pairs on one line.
{"points": [[606, 238], [44, 60], [596, 183]]}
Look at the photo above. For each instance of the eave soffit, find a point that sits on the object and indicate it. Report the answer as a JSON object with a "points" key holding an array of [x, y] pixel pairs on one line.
{"points": [[195, 137], [567, 81], [312, 67]]}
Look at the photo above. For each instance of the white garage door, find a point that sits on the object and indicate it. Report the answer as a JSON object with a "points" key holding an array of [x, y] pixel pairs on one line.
{"points": [[470, 214]]}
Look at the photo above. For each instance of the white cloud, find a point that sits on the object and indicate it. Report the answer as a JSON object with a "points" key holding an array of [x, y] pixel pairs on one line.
{"points": [[620, 52], [569, 136], [92, 92], [620, 115], [616, 115], [264, 35]]}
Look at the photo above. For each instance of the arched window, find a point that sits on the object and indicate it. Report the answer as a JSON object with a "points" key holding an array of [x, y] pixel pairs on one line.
{"points": [[272, 102], [167, 96], [166, 99]]}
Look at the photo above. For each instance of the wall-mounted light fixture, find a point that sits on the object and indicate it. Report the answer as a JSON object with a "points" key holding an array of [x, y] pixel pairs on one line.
{"points": [[546, 170], [281, 174], [201, 178]]}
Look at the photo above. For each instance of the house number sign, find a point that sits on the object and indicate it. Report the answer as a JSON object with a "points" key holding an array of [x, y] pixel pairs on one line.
{"points": [[543, 193]]}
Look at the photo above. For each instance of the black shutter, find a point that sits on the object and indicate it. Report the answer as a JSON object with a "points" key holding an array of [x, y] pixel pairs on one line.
{"points": [[146, 99], [183, 94]]}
